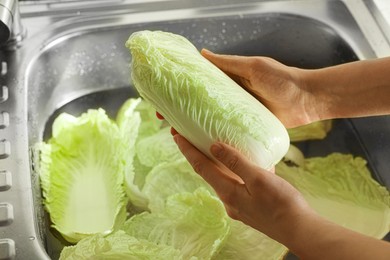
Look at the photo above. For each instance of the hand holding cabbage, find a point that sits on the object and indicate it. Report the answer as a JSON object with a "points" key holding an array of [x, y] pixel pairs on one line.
{"points": [[273, 206], [182, 217], [269, 203], [299, 96]]}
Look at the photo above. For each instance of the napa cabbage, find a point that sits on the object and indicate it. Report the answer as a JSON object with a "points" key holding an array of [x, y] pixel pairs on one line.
{"points": [[81, 173], [158, 148], [118, 246], [200, 101], [314, 131], [193, 222], [245, 242], [171, 178], [129, 122]]}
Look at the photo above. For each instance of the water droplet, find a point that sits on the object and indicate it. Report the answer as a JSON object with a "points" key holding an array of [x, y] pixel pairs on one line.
{"points": [[31, 238]]}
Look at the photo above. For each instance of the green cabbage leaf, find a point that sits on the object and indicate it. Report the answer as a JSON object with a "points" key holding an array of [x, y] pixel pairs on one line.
{"points": [[118, 246], [340, 188], [81, 173], [314, 131], [245, 242], [158, 148], [195, 223], [171, 178]]}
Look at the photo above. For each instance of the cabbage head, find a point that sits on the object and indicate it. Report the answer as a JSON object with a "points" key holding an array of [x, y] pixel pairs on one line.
{"points": [[200, 101]]}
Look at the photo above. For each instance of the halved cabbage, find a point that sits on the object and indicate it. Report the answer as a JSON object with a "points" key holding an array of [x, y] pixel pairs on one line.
{"points": [[200, 101], [81, 172]]}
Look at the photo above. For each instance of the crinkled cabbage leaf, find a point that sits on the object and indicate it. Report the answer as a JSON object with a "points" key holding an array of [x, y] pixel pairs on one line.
{"points": [[129, 122], [246, 243], [158, 148], [118, 246], [195, 223], [81, 173], [340, 188], [314, 131], [200, 101], [138, 123], [171, 178]]}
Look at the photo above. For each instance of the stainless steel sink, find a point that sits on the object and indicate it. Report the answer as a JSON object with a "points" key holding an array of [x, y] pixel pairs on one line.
{"points": [[74, 59]]}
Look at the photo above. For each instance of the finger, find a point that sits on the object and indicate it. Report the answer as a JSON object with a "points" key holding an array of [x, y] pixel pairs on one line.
{"points": [[232, 213], [234, 161], [231, 64], [207, 169], [159, 116], [173, 131]]}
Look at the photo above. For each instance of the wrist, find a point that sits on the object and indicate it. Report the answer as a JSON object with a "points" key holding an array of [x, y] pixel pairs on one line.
{"points": [[295, 225], [317, 95], [312, 95]]}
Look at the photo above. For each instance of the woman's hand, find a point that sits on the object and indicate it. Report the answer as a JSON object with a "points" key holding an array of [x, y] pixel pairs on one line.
{"points": [[280, 88], [268, 203], [298, 96], [257, 197]]}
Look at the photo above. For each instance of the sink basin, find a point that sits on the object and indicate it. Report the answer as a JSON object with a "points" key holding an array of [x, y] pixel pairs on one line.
{"points": [[79, 61]]}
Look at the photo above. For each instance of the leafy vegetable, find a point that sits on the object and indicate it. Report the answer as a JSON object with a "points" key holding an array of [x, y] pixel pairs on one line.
{"points": [[340, 188], [81, 174], [138, 123], [294, 156], [158, 148], [245, 242], [118, 246], [196, 223], [167, 179], [182, 218], [200, 101], [312, 131], [129, 122], [149, 123]]}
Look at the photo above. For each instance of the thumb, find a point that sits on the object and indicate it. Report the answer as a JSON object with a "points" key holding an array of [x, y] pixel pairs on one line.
{"points": [[230, 64]]}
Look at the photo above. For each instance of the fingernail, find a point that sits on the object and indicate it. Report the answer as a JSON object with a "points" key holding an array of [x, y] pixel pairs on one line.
{"points": [[216, 150], [207, 51]]}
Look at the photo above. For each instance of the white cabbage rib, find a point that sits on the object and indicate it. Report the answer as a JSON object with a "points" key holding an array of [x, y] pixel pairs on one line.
{"points": [[200, 101]]}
